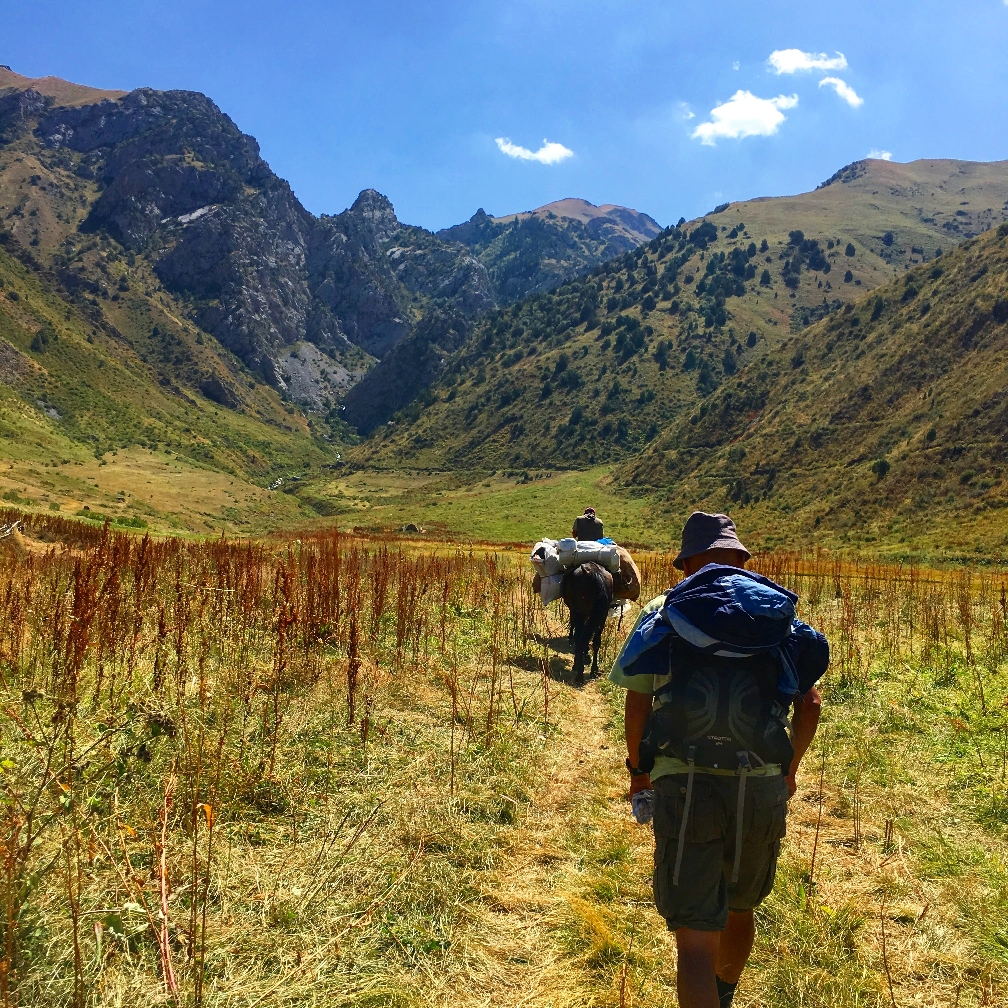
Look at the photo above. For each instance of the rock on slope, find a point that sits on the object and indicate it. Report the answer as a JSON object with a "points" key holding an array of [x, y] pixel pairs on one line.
{"points": [[183, 183], [170, 178]]}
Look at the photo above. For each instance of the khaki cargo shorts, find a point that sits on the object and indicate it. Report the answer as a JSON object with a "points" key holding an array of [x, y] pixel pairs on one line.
{"points": [[705, 893]]}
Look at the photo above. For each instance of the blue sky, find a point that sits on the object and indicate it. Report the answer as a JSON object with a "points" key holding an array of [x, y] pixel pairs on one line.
{"points": [[411, 98]]}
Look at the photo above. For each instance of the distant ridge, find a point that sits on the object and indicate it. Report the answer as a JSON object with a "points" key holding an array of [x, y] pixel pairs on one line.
{"points": [[635, 225], [64, 93]]}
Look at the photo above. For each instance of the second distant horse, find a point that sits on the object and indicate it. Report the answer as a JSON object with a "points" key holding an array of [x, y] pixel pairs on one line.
{"points": [[588, 592]]}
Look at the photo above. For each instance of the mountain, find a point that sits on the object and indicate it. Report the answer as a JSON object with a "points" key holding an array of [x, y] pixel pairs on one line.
{"points": [[60, 91], [887, 419], [537, 250], [167, 183], [595, 370]]}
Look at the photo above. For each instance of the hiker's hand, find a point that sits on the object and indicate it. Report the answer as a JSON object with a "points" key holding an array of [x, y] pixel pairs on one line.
{"points": [[792, 785], [639, 782]]}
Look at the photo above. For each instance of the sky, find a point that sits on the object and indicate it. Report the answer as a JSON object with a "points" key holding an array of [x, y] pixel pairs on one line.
{"points": [[666, 107]]}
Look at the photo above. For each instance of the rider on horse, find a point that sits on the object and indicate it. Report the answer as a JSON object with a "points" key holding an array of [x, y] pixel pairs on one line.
{"points": [[587, 527]]}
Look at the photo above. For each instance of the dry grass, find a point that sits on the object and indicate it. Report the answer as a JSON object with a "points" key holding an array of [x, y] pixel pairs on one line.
{"points": [[334, 771]]}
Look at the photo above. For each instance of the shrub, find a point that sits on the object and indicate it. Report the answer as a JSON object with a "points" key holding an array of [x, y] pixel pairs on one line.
{"points": [[751, 340], [850, 251], [887, 238], [1000, 311], [877, 308], [706, 382], [764, 279], [763, 245], [45, 335], [931, 435], [1002, 232], [729, 362], [880, 467], [690, 360], [848, 276]]}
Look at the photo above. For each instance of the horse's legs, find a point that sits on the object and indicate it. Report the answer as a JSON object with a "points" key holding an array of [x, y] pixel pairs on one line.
{"points": [[596, 644], [581, 633]]}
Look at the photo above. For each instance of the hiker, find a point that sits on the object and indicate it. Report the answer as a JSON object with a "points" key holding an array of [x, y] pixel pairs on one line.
{"points": [[587, 527], [710, 748]]}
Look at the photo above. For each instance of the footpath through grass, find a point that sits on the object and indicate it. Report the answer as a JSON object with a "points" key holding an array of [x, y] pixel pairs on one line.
{"points": [[337, 771]]}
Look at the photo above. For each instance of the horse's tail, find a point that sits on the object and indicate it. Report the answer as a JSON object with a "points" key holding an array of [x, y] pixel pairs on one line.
{"points": [[601, 601]]}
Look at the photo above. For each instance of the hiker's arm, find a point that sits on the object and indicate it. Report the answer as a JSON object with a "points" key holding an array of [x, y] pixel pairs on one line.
{"points": [[638, 710], [803, 729]]}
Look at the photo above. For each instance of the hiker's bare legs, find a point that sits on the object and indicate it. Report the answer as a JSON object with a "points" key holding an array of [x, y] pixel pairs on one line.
{"points": [[704, 953], [736, 944], [698, 952]]}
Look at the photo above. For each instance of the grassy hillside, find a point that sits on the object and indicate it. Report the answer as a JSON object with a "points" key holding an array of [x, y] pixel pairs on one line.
{"points": [[883, 422], [91, 417], [600, 368]]}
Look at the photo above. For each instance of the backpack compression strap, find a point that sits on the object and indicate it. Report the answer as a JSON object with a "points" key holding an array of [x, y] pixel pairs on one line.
{"points": [[690, 759], [743, 769]]}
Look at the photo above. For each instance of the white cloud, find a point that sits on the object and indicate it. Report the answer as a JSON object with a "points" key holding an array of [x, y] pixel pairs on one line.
{"points": [[845, 91], [688, 113], [885, 155], [549, 153], [744, 115], [789, 61], [736, 64]]}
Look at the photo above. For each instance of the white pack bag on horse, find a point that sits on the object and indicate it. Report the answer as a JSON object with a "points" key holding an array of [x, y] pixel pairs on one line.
{"points": [[573, 553], [545, 558], [550, 588]]}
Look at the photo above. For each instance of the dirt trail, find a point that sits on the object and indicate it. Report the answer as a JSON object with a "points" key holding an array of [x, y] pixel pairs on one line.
{"points": [[528, 941]]}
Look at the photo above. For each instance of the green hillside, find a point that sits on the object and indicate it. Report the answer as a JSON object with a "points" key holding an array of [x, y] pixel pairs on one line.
{"points": [[94, 415], [595, 370], [886, 421]]}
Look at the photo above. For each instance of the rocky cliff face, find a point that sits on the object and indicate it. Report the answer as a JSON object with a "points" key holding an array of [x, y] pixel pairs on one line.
{"points": [[174, 182], [538, 250], [181, 183]]}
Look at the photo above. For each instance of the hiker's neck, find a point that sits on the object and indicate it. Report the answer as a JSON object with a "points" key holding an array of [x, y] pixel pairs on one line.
{"points": [[726, 557]]}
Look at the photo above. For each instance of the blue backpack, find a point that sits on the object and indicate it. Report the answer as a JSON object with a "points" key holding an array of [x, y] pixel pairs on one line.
{"points": [[734, 657]]}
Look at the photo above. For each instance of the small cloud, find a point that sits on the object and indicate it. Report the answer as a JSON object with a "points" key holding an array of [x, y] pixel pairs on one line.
{"points": [[885, 155], [744, 115], [549, 153], [789, 61], [688, 113], [845, 91], [736, 64]]}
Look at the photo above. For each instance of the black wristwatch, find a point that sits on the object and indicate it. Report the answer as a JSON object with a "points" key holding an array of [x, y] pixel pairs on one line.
{"points": [[635, 771]]}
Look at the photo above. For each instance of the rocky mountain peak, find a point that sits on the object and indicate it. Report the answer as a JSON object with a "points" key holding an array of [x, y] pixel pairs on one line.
{"points": [[377, 212]]}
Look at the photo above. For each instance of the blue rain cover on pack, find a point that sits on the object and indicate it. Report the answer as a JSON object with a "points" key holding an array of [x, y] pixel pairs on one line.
{"points": [[734, 613]]}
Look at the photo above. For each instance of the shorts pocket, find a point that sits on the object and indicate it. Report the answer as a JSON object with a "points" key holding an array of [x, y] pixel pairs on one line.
{"points": [[770, 810], [705, 820]]}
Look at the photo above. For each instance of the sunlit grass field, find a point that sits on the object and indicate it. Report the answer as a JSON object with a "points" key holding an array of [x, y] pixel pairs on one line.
{"points": [[350, 770]]}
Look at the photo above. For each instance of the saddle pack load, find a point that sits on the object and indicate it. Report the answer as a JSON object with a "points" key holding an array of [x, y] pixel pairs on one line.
{"points": [[728, 658], [551, 558]]}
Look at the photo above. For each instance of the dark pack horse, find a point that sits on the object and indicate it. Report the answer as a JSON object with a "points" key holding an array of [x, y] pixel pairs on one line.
{"points": [[588, 593]]}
